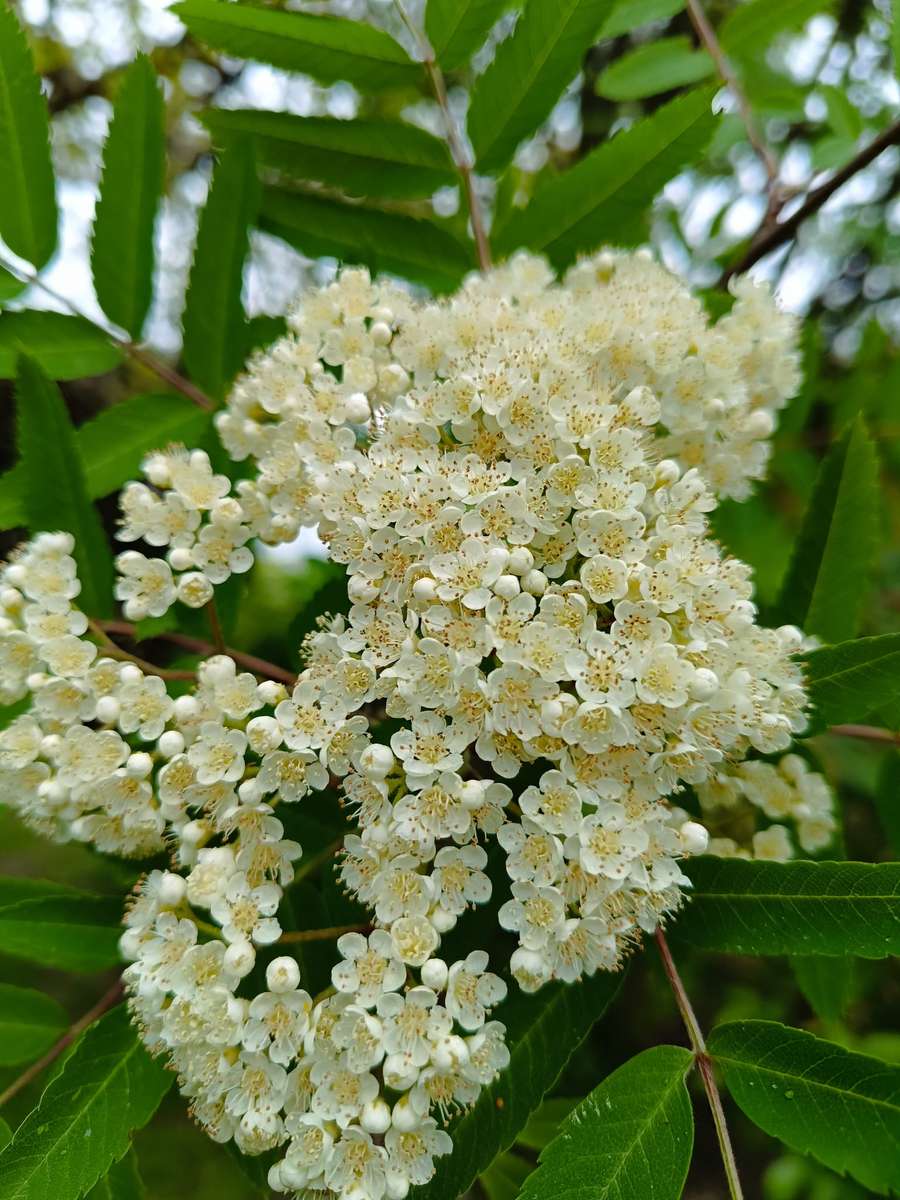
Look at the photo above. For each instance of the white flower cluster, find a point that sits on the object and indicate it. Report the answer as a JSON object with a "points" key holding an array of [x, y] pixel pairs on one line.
{"points": [[517, 480]]}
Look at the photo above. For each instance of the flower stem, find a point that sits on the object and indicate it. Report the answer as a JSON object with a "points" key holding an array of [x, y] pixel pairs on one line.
{"points": [[215, 626], [704, 1065], [319, 935], [113, 651], [867, 733]]}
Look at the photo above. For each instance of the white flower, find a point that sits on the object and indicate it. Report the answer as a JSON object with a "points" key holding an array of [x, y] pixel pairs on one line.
{"points": [[368, 967], [246, 912], [218, 754], [145, 585], [471, 990]]}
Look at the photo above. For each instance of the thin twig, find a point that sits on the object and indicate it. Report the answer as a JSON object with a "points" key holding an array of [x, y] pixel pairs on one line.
{"points": [[704, 1065], [319, 935], [98, 628], [105, 1002], [168, 374], [784, 230], [458, 150], [867, 733], [258, 666], [215, 626]]}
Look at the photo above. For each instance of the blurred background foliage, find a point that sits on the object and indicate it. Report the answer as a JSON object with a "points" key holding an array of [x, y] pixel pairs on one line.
{"points": [[820, 89]]}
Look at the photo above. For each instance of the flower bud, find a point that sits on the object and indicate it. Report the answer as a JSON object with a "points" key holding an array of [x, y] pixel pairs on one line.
{"points": [[283, 974]]}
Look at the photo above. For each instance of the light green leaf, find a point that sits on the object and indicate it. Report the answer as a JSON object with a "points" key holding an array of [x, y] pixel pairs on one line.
{"points": [[606, 196], [28, 195], [844, 117], [819, 1098], [54, 490], [401, 245], [827, 983], [108, 1088], [543, 1031], [10, 286], [653, 68], [629, 15], [750, 28], [328, 48], [133, 166], [113, 444], [361, 157], [529, 72], [631, 1138], [74, 932], [827, 578], [800, 907], [214, 321], [849, 682], [456, 28], [30, 1023], [121, 1182], [64, 347]]}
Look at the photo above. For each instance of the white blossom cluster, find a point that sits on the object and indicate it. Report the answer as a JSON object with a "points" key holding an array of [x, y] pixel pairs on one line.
{"points": [[544, 648]]}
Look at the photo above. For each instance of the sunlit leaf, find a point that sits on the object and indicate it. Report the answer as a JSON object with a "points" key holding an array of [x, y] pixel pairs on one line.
{"points": [[65, 347], [456, 28], [655, 67], [632, 14]]}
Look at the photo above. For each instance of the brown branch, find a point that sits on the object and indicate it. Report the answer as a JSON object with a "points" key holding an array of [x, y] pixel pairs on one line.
{"points": [[105, 1002], [215, 626], [867, 733], [784, 230], [319, 935], [98, 628], [704, 1065], [459, 152]]}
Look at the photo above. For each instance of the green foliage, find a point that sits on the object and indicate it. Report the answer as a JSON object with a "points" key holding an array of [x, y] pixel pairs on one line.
{"points": [[30, 1023], [827, 983], [802, 908], [28, 195], [631, 1138], [328, 48], [361, 157], [528, 74], [121, 1182], [607, 194], [64, 347], [749, 28], [543, 1031], [849, 682], [214, 321], [456, 28], [828, 575], [887, 799], [133, 166], [655, 67], [632, 14], [819, 1098], [74, 931], [414, 248], [55, 494], [107, 1088]]}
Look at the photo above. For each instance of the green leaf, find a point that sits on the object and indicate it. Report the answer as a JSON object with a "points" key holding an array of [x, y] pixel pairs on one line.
{"points": [[631, 1138], [543, 1031], [108, 1088], [54, 488], [653, 68], [5, 1134], [133, 167], [887, 799], [543, 1125], [529, 72], [827, 983], [10, 286], [504, 1177], [361, 157], [632, 14], [74, 932], [844, 117], [607, 194], [30, 1023], [214, 322], [121, 1182], [751, 28], [849, 682], [328, 48], [65, 347], [803, 908], [414, 249], [28, 194], [113, 444], [827, 578], [819, 1098], [456, 28]]}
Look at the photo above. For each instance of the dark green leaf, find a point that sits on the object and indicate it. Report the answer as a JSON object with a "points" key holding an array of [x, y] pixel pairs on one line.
{"points": [[629, 1139], [16, 888], [65, 347], [456, 28], [653, 68], [750, 28], [543, 1031], [133, 165], [504, 1177], [529, 72], [361, 157], [414, 249], [30, 1023], [214, 322], [802, 908], [849, 682], [544, 1124], [75, 932], [826, 581], [827, 983], [10, 286], [819, 1098], [28, 195], [54, 488], [108, 1088], [5, 1134], [328, 48], [887, 800], [606, 196], [121, 1182], [632, 14]]}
